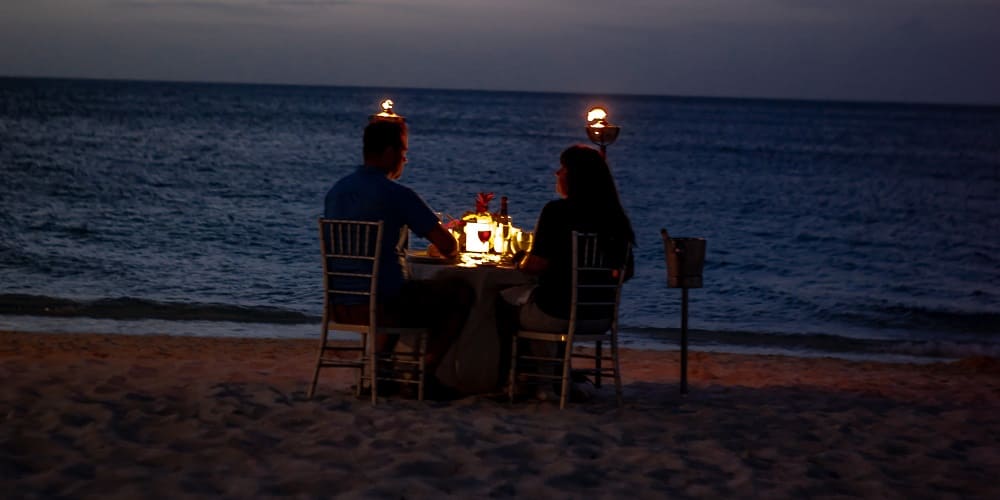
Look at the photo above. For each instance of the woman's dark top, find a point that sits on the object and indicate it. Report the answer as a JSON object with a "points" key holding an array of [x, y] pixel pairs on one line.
{"points": [[553, 242]]}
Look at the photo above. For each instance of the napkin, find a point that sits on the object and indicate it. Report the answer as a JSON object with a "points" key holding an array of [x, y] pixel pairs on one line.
{"points": [[518, 295]]}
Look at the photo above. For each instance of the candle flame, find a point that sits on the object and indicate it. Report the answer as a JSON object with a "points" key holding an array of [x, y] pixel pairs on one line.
{"points": [[387, 106]]}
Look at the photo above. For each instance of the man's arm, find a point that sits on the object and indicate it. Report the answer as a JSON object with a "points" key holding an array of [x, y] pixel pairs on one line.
{"points": [[443, 240], [424, 222]]}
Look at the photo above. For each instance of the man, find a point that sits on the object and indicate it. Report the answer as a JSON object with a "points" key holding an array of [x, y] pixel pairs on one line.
{"points": [[371, 193]]}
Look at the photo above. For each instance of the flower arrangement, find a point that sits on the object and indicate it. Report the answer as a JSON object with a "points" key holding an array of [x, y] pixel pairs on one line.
{"points": [[483, 202]]}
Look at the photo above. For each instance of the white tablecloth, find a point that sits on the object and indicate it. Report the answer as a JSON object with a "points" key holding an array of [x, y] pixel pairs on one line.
{"points": [[471, 364]]}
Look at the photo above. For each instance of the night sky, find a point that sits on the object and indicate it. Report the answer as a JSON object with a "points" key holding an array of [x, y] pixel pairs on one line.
{"points": [[873, 50]]}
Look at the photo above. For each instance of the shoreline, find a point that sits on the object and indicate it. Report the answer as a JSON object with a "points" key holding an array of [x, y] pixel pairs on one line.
{"points": [[849, 346], [125, 415]]}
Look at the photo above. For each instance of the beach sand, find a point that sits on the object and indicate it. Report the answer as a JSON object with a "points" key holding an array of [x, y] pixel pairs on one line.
{"points": [[117, 416]]}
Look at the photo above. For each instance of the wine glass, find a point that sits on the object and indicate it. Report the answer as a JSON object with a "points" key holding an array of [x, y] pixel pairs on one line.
{"points": [[485, 235], [527, 240]]}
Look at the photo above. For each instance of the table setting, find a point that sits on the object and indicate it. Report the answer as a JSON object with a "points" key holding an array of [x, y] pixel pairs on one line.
{"points": [[489, 247]]}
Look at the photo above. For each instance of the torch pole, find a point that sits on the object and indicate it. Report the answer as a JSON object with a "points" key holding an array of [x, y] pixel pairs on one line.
{"points": [[684, 340]]}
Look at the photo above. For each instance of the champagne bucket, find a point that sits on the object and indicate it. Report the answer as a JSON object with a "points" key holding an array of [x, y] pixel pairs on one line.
{"points": [[685, 261]]}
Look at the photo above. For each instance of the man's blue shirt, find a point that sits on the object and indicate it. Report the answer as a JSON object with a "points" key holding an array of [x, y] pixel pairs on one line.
{"points": [[368, 195]]}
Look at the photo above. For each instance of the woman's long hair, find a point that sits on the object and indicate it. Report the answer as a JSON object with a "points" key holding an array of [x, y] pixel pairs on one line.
{"points": [[589, 185]]}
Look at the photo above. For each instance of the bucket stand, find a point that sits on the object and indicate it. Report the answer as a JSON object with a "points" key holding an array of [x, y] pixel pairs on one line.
{"points": [[684, 340], [685, 259]]}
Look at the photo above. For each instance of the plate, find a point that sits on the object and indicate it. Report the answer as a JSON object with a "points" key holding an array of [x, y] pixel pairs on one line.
{"points": [[421, 257]]}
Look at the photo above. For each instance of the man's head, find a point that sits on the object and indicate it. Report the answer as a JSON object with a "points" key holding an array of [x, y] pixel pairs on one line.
{"points": [[385, 145]]}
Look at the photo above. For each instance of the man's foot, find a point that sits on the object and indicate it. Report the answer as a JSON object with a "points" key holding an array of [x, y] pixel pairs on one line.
{"points": [[546, 393], [388, 387], [581, 393], [579, 377], [578, 393], [437, 391]]}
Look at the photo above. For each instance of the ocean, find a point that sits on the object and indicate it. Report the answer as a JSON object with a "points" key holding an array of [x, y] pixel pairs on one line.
{"points": [[868, 230]]}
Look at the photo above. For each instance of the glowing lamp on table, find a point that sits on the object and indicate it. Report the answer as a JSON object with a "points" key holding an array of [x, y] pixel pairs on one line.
{"points": [[478, 237], [600, 130]]}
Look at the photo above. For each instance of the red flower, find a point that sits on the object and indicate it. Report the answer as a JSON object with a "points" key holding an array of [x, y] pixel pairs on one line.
{"points": [[483, 202]]}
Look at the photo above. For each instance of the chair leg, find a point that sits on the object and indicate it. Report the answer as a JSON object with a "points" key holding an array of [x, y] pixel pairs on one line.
{"points": [[422, 365], [564, 389], [319, 358], [373, 363], [360, 372], [597, 364], [618, 370], [511, 382]]}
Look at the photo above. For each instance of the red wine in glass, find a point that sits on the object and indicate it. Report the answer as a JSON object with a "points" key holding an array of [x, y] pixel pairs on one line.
{"points": [[484, 236]]}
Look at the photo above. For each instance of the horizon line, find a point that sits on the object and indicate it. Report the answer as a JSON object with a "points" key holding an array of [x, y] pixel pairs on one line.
{"points": [[554, 92]]}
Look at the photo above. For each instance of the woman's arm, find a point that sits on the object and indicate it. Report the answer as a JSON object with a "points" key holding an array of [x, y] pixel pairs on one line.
{"points": [[548, 228], [533, 264], [630, 266]]}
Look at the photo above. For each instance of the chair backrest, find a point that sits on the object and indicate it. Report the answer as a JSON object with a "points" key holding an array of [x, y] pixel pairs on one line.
{"points": [[599, 266], [351, 251]]}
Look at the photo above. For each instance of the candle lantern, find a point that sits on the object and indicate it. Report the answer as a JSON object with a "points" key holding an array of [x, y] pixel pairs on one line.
{"points": [[599, 130], [386, 113]]}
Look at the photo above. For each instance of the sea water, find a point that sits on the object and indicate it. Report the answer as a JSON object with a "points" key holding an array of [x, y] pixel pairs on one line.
{"points": [[856, 229]]}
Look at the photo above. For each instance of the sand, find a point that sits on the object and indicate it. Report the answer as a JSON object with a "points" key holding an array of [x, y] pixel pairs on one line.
{"points": [[117, 416]]}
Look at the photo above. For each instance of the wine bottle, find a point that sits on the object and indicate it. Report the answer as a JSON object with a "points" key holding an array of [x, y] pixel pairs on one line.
{"points": [[501, 244]]}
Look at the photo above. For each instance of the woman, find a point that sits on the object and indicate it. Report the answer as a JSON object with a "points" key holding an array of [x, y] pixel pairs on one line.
{"points": [[589, 203]]}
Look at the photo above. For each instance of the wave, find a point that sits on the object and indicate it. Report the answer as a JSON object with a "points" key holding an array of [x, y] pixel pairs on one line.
{"points": [[761, 342], [130, 308], [926, 319], [816, 343], [805, 341], [948, 349]]}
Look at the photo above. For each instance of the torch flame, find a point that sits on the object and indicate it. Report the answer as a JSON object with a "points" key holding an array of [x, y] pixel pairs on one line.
{"points": [[596, 115], [599, 130], [387, 114]]}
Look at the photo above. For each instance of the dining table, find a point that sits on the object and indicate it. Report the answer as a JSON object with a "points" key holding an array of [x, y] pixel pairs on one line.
{"points": [[471, 365]]}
